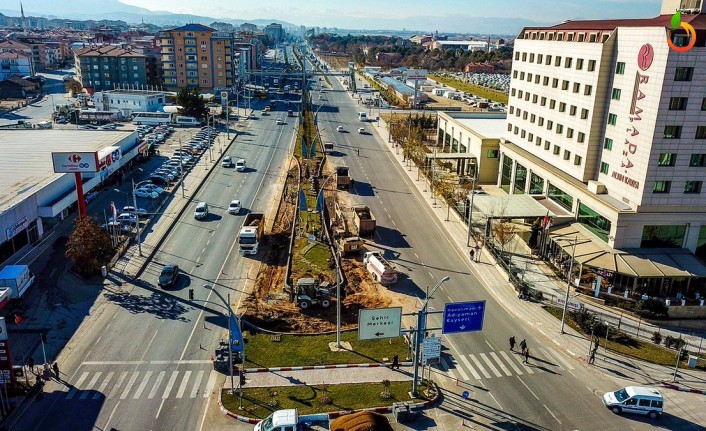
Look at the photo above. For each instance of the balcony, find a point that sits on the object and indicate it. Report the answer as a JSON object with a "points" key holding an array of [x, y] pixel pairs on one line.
{"points": [[167, 58]]}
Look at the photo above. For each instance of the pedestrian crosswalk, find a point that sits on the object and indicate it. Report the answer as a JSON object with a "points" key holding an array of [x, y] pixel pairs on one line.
{"points": [[142, 384], [492, 365]]}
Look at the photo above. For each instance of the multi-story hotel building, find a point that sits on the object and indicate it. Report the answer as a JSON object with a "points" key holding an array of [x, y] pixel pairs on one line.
{"points": [[197, 56], [609, 123]]}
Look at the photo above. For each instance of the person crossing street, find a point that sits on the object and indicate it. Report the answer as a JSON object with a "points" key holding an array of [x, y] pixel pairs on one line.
{"points": [[512, 343], [523, 345]]}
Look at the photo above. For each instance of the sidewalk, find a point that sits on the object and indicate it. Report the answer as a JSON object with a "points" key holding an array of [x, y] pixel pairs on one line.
{"points": [[573, 343], [335, 376]]}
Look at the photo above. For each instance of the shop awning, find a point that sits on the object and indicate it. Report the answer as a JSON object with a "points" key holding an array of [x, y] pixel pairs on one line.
{"points": [[654, 263], [509, 206]]}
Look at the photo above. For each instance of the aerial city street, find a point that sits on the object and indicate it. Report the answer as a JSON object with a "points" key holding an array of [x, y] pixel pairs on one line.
{"points": [[339, 217]]}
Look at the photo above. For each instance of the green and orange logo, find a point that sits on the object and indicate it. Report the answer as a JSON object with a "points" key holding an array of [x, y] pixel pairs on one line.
{"points": [[676, 25]]}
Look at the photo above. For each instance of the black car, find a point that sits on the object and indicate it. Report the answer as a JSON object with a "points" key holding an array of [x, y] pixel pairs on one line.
{"points": [[159, 180], [168, 276]]}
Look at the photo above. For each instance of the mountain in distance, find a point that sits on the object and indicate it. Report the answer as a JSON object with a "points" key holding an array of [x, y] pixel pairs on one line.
{"points": [[115, 10]]}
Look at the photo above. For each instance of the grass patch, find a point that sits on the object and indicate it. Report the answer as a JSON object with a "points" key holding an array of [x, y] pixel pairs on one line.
{"points": [[635, 348], [258, 402], [296, 350], [312, 258], [476, 90]]}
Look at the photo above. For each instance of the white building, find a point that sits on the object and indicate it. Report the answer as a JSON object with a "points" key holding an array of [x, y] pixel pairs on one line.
{"points": [[609, 123], [15, 64], [130, 101]]}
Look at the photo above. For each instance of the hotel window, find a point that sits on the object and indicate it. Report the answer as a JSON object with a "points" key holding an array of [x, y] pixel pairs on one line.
{"points": [[616, 94], [516, 130], [672, 132], [514, 74], [534, 98], [560, 36], [557, 149], [563, 199], [667, 159], [683, 73], [662, 187], [550, 124], [509, 127], [530, 137], [536, 186], [678, 103], [697, 160], [579, 63], [549, 60], [536, 79], [512, 110], [570, 37], [552, 104], [591, 65], [551, 36], [577, 160], [527, 95], [604, 38], [522, 134], [557, 61], [545, 82], [567, 154], [605, 168], [524, 115], [612, 119], [569, 132], [588, 89], [564, 85], [701, 132], [692, 187], [540, 57], [620, 68], [524, 56], [513, 92], [540, 122], [559, 129], [532, 118], [522, 76], [562, 106], [568, 61], [572, 110], [582, 36], [547, 145], [538, 141], [517, 55], [555, 83], [531, 60]]}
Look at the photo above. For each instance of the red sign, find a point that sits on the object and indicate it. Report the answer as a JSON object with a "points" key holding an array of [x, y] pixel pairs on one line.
{"points": [[645, 57]]}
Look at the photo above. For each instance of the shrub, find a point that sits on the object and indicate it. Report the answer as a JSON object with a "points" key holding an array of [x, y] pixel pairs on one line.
{"points": [[657, 338], [651, 309]]}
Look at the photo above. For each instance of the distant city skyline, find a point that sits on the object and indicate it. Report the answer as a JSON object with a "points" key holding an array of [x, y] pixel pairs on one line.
{"points": [[409, 14]]}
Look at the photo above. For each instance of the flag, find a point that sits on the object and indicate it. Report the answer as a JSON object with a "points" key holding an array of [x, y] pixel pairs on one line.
{"points": [[302, 201], [545, 221], [305, 153], [236, 337], [113, 210], [320, 201]]}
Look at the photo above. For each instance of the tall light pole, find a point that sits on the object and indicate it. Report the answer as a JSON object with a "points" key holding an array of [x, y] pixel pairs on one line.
{"points": [[421, 330], [336, 259], [470, 209], [230, 335], [568, 285]]}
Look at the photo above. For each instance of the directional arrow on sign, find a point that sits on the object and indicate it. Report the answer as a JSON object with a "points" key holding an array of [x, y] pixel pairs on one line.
{"points": [[379, 334]]}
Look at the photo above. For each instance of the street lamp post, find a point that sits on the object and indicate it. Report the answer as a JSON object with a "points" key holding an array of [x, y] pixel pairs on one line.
{"points": [[338, 271], [568, 286], [470, 209], [421, 330], [230, 337]]}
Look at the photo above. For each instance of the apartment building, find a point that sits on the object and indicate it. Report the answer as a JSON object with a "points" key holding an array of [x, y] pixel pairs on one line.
{"points": [[275, 32], [105, 67], [197, 56], [14, 46], [15, 64], [609, 123]]}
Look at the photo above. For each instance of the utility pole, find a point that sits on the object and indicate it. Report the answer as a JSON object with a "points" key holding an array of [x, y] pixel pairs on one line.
{"points": [[470, 209], [139, 232], [568, 288]]}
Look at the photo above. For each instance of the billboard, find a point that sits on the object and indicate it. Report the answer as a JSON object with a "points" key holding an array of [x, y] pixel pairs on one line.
{"points": [[71, 162], [416, 74]]}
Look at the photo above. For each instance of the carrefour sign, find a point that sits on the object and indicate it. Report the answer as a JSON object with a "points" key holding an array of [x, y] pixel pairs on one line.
{"points": [[75, 162]]}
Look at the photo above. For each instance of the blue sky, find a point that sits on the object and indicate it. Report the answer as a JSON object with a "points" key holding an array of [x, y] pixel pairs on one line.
{"points": [[453, 15]]}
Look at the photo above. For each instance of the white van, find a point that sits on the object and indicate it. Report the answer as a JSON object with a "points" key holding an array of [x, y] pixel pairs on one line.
{"points": [[201, 211], [635, 399], [187, 121]]}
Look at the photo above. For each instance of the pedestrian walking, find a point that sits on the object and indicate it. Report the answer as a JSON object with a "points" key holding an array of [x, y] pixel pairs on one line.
{"points": [[55, 367], [395, 362], [473, 255], [592, 358], [523, 345], [358, 149], [30, 364], [512, 343], [525, 353]]}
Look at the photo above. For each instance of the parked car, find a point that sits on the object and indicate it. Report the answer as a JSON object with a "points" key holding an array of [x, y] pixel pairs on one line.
{"points": [[116, 226], [145, 193], [234, 207], [128, 218], [152, 187], [168, 276], [141, 212]]}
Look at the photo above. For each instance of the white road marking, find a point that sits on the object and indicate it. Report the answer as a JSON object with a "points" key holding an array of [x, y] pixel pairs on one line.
{"points": [[490, 365], [470, 367], [528, 369], [550, 412], [156, 385], [143, 385], [559, 358], [486, 342], [170, 384], [501, 364], [116, 387], [182, 362], [130, 382], [184, 382], [90, 385], [104, 385], [512, 364], [480, 366], [197, 383], [528, 388], [447, 368], [75, 389]]}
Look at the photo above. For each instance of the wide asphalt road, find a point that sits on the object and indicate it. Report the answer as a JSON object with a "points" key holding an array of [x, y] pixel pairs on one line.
{"points": [[147, 363], [555, 392]]}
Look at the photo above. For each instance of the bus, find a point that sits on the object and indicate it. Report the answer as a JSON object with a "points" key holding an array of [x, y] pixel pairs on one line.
{"points": [[362, 116], [152, 118]]}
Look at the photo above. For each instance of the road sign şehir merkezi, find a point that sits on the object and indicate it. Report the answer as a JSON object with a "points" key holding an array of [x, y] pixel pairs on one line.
{"points": [[378, 323], [463, 317]]}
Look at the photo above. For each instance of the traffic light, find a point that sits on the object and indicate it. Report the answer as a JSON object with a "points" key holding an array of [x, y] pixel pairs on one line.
{"points": [[191, 294]]}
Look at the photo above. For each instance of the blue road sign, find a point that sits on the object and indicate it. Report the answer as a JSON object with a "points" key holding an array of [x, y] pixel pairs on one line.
{"points": [[463, 317], [465, 394]]}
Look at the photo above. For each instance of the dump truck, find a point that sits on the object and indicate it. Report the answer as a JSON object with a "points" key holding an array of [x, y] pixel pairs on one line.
{"points": [[17, 278], [251, 233], [382, 271], [352, 244], [343, 181], [363, 220]]}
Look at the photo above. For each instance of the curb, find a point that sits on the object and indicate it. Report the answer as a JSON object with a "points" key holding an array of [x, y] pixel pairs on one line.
{"points": [[683, 389], [323, 367], [331, 415]]}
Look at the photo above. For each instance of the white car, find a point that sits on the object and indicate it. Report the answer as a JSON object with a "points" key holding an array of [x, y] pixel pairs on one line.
{"points": [[141, 212], [240, 165], [280, 122], [339, 128], [234, 207], [152, 187], [361, 130], [145, 193], [129, 218]]}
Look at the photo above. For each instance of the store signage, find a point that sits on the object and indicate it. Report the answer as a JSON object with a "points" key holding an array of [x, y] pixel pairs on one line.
{"points": [[16, 228], [6, 375], [630, 147], [74, 162]]}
